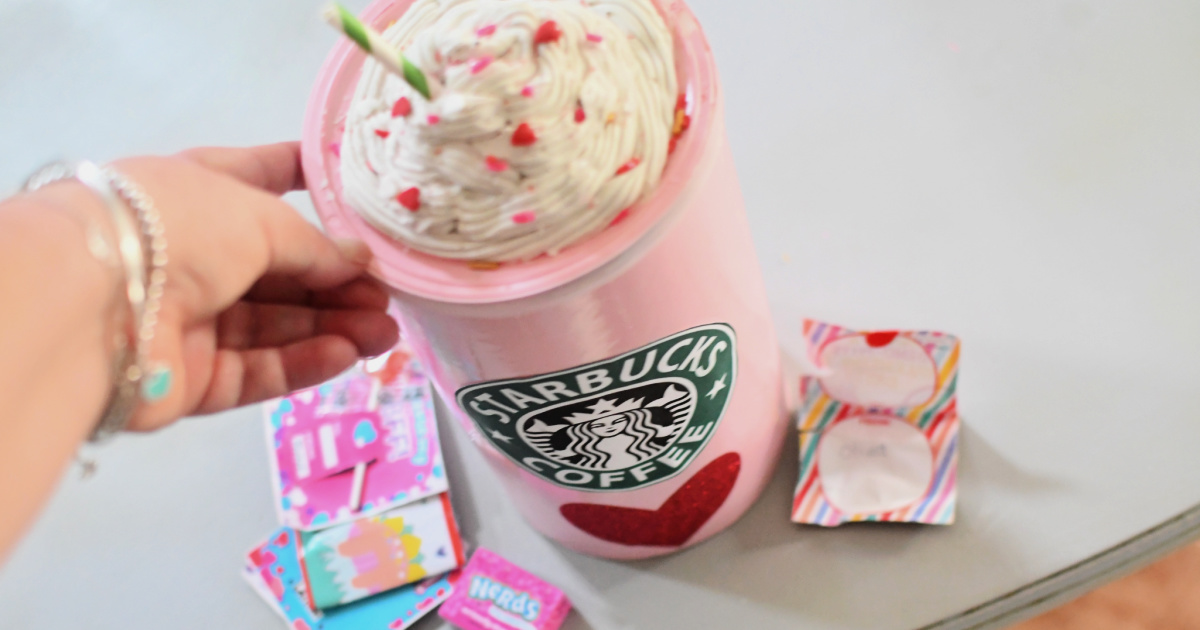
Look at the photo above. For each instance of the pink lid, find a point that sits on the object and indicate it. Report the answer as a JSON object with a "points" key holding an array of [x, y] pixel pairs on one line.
{"points": [[443, 280]]}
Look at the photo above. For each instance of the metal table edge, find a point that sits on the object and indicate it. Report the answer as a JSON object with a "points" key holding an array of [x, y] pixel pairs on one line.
{"points": [[1078, 578]]}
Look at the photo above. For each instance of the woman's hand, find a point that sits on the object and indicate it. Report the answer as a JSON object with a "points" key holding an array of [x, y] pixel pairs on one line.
{"points": [[257, 302]]}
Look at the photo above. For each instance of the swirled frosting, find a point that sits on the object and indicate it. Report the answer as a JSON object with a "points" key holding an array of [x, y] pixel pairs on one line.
{"points": [[549, 119]]}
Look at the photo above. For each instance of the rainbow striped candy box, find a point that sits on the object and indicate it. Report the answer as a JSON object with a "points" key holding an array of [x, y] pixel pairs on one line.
{"points": [[374, 554], [494, 594], [878, 427]]}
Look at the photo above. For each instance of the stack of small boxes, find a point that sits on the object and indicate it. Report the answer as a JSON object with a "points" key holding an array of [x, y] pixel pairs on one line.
{"points": [[368, 538]]}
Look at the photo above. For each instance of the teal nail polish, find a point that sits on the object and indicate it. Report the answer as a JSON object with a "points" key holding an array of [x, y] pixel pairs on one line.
{"points": [[156, 384]]}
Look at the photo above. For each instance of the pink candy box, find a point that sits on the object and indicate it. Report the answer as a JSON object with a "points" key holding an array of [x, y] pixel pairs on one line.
{"points": [[330, 445], [494, 594]]}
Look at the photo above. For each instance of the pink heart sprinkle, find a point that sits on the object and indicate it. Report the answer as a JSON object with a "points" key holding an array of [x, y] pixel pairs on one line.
{"points": [[433, 119], [487, 30], [402, 107], [525, 216], [547, 33], [594, 38], [481, 63], [495, 164], [335, 148], [527, 91]]}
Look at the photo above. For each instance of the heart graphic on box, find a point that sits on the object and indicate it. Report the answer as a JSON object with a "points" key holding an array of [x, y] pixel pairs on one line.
{"points": [[674, 522]]}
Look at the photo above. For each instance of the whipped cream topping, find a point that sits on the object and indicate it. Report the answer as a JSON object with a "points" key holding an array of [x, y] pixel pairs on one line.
{"points": [[549, 119]]}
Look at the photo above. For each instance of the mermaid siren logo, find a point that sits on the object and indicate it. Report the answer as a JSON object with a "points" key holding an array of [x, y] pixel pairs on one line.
{"points": [[616, 424]]}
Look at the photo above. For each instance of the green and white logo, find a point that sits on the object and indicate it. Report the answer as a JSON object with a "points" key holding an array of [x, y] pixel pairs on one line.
{"points": [[617, 424]]}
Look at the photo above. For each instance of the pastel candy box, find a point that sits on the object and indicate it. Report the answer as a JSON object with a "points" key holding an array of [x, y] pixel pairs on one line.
{"points": [[349, 562], [495, 594], [337, 443], [878, 427], [273, 570], [378, 414]]}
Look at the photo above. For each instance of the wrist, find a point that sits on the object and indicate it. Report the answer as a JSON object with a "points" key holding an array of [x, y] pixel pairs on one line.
{"points": [[74, 234], [55, 341], [65, 291], [140, 246]]}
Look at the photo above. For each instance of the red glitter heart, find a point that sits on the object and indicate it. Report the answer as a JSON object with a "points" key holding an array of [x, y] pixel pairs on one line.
{"points": [[281, 540], [881, 339], [674, 522]]}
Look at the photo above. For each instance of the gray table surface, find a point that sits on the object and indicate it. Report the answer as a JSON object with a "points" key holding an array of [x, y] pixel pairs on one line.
{"points": [[1022, 174]]}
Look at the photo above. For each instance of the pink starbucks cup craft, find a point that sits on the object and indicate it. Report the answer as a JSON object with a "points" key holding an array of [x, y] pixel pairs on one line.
{"points": [[626, 389], [495, 594]]}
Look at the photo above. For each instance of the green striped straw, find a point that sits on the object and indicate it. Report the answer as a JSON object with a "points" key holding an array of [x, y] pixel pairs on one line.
{"points": [[373, 43]]}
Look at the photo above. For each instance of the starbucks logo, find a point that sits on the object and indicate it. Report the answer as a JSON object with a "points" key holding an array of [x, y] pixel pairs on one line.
{"points": [[620, 429], [616, 424]]}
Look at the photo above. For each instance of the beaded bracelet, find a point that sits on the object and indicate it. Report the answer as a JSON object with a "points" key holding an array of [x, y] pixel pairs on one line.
{"points": [[142, 248]]}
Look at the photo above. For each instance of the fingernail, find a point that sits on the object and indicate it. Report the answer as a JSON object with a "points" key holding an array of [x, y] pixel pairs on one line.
{"points": [[354, 250]]}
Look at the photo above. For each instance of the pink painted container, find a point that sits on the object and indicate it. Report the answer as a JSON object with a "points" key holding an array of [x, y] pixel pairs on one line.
{"points": [[626, 391]]}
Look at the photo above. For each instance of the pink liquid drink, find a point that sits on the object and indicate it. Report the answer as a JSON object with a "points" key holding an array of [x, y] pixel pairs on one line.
{"points": [[625, 390]]}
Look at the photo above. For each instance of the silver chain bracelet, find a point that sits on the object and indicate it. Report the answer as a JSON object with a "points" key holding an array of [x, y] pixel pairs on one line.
{"points": [[142, 250]]}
